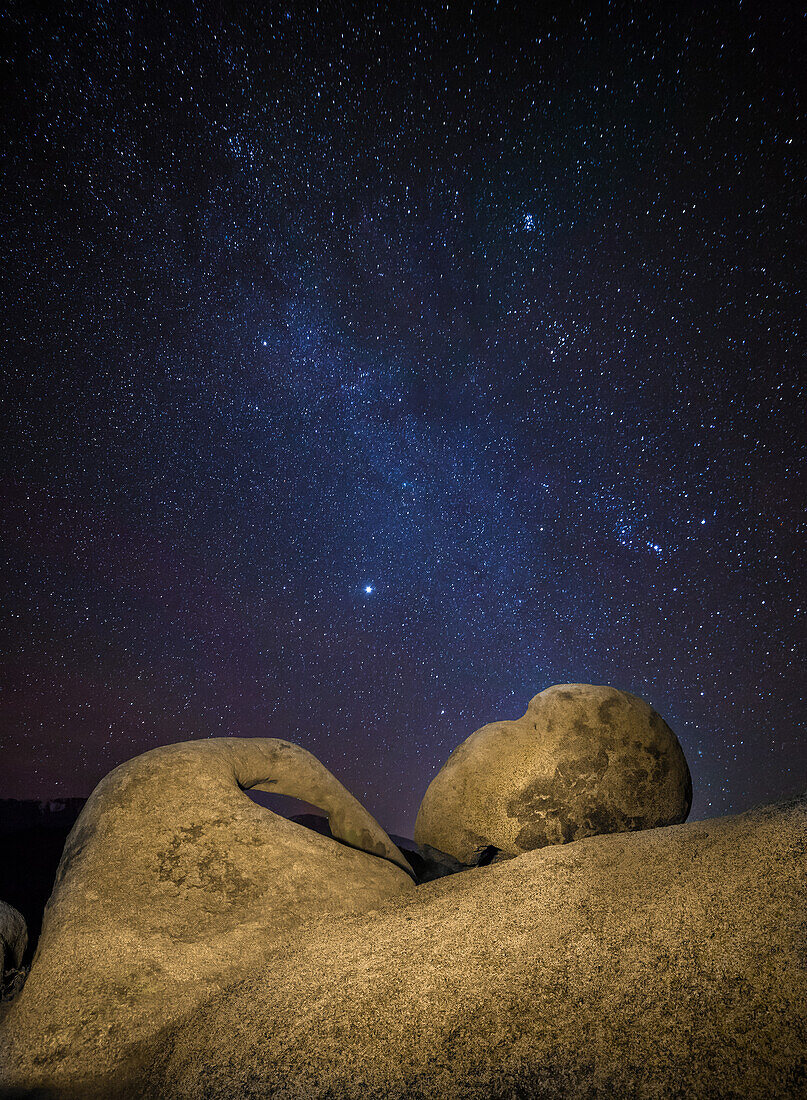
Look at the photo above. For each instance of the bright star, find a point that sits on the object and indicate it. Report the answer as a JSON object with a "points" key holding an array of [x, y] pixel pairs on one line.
{"points": [[368, 588]]}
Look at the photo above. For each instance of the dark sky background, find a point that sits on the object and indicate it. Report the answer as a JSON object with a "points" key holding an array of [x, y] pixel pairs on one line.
{"points": [[370, 368]]}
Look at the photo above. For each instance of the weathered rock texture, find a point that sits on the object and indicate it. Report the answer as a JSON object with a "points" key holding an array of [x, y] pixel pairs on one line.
{"points": [[583, 760], [174, 883], [646, 966], [668, 964], [13, 937]]}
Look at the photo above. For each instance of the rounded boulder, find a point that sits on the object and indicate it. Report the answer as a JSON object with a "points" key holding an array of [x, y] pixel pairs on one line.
{"points": [[13, 937], [582, 761]]}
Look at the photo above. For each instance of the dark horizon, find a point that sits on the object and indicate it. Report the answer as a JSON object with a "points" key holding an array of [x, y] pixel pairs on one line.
{"points": [[370, 371]]}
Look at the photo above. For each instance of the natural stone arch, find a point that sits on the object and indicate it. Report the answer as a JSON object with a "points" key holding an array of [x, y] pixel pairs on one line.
{"points": [[173, 885], [280, 767]]}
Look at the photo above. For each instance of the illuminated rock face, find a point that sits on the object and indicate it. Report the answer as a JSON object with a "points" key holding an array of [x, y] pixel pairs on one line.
{"points": [[666, 964], [13, 937], [173, 884], [657, 965], [583, 760]]}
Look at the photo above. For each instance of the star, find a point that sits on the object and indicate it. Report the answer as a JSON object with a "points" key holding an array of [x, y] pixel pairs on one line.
{"points": [[488, 306]]}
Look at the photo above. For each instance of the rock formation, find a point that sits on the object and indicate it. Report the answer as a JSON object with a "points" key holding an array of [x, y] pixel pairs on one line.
{"points": [[583, 760], [426, 863], [172, 885], [668, 964], [13, 938], [198, 947]]}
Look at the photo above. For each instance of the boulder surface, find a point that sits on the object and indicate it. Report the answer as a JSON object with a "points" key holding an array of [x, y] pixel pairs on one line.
{"points": [[668, 964], [13, 937], [583, 760], [173, 884]]}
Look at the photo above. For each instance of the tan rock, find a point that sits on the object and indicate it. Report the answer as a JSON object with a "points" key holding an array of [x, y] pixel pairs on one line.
{"points": [[669, 964], [13, 937], [583, 760], [172, 885]]}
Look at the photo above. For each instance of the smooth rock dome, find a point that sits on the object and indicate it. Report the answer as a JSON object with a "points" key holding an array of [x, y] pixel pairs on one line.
{"points": [[583, 760], [172, 886]]}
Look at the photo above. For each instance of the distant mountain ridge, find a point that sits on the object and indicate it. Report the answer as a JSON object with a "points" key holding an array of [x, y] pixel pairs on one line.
{"points": [[32, 836], [20, 814]]}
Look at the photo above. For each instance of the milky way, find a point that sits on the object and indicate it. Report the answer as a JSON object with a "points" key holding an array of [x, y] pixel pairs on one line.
{"points": [[370, 369]]}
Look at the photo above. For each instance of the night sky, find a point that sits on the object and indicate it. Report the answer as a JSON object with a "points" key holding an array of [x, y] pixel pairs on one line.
{"points": [[369, 369]]}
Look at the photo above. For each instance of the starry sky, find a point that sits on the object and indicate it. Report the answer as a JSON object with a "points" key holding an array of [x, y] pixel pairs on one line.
{"points": [[370, 368]]}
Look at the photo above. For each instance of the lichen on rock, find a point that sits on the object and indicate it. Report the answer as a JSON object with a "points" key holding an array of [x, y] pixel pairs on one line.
{"points": [[582, 761]]}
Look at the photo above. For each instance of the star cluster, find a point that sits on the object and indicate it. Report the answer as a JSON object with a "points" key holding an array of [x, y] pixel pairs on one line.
{"points": [[370, 368]]}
